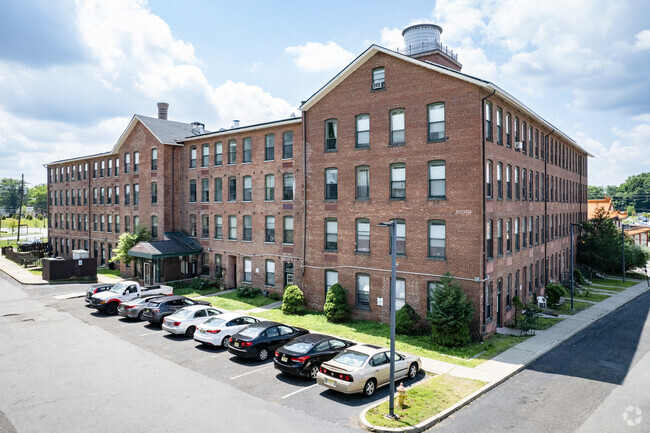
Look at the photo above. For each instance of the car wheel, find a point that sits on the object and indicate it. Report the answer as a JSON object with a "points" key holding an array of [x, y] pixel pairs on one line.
{"points": [[369, 388], [313, 371], [263, 354], [189, 332], [225, 341], [111, 308], [413, 371]]}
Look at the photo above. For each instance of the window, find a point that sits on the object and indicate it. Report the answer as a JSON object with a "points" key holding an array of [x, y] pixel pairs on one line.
{"points": [[193, 191], [516, 234], [362, 290], [154, 160], [400, 293], [127, 223], [248, 270], [398, 181], [269, 147], [287, 236], [247, 154], [536, 186], [488, 121], [378, 78], [232, 152], [248, 188], [287, 186], [523, 137], [94, 171], [117, 168], [193, 157], [530, 185], [331, 278], [218, 153], [363, 236], [154, 226], [232, 227], [508, 134], [330, 135], [192, 226], [508, 182], [205, 155], [517, 283], [136, 221], [516, 129], [437, 243], [127, 194], [270, 273], [269, 187], [363, 131], [400, 229], [136, 162], [530, 232], [509, 235], [154, 192], [436, 122], [397, 133], [499, 237], [432, 286], [437, 183], [488, 179], [86, 169], [331, 234], [269, 229], [218, 227], [363, 183], [102, 169], [489, 247], [499, 126], [232, 189], [248, 228], [218, 193], [530, 140], [218, 268], [287, 144], [488, 301], [516, 176], [205, 226], [499, 181], [331, 184], [109, 196], [117, 223]]}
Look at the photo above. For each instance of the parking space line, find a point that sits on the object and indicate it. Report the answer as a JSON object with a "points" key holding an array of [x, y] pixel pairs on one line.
{"points": [[207, 358], [149, 333], [300, 390], [250, 372], [128, 324]]}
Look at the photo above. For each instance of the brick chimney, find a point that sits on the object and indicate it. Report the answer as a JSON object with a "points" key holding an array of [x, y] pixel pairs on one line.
{"points": [[162, 110], [422, 42]]}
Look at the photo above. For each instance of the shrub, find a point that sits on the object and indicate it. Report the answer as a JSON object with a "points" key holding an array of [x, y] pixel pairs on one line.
{"points": [[248, 292], [39, 217], [450, 314], [578, 278], [293, 301], [336, 304], [518, 306], [275, 296], [553, 293], [407, 321]]}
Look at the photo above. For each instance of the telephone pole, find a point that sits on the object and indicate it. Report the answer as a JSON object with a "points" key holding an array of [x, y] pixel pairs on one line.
{"points": [[20, 208]]}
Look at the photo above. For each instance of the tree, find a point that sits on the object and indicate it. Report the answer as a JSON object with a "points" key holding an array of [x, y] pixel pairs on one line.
{"points": [[635, 191], [128, 241], [293, 301], [595, 192], [336, 306], [450, 314], [407, 320], [37, 197], [10, 195]]}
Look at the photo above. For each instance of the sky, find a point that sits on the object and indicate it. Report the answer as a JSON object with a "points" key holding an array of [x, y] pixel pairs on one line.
{"points": [[73, 73]]}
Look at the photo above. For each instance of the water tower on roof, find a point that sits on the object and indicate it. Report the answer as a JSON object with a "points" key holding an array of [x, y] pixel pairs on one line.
{"points": [[422, 41]]}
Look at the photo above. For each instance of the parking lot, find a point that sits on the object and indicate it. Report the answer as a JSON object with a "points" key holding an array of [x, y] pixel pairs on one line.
{"points": [[260, 379]]}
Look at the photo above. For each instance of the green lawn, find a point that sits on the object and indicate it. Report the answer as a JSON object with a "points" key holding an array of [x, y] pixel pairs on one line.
{"points": [[365, 331], [425, 400], [547, 322], [8, 223], [193, 293], [610, 288], [577, 305], [111, 273], [613, 283], [230, 301], [37, 272], [594, 297]]}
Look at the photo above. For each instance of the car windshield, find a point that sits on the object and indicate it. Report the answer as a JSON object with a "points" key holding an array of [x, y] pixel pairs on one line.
{"points": [[299, 347], [119, 287], [353, 359], [214, 322], [181, 314], [251, 332]]}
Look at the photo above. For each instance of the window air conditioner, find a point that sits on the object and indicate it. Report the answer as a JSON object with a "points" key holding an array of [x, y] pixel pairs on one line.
{"points": [[378, 85], [289, 278], [519, 145]]}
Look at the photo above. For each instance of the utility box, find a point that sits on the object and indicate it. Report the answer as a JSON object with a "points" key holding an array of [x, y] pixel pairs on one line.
{"points": [[80, 254]]}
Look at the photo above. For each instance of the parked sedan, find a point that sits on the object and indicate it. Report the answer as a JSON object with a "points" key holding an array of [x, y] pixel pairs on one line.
{"points": [[133, 309], [216, 331], [158, 308], [260, 339], [303, 355], [97, 288], [185, 320], [364, 368]]}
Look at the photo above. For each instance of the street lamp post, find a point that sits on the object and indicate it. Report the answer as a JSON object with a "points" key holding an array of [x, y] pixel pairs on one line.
{"points": [[623, 228], [393, 272], [572, 259]]}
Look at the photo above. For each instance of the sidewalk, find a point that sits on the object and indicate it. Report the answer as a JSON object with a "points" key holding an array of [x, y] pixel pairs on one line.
{"points": [[508, 363]]}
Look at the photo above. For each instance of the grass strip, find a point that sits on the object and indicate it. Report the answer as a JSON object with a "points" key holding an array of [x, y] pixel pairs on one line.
{"points": [[613, 283], [425, 400], [230, 301], [594, 297]]}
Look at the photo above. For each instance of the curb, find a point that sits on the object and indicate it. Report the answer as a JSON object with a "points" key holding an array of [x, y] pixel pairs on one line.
{"points": [[428, 423], [44, 283]]}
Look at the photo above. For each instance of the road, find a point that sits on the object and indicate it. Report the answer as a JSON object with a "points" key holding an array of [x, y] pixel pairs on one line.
{"points": [[67, 368], [595, 382]]}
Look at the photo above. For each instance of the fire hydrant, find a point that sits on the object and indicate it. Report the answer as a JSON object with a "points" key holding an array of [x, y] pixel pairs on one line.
{"points": [[401, 395]]}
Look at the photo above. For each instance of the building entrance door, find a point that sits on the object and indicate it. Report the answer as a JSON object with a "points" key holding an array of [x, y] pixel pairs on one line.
{"points": [[231, 273], [147, 273], [499, 308]]}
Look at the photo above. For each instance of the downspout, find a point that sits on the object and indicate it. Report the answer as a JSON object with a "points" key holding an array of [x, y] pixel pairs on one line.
{"points": [[546, 234], [173, 194], [89, 201], [304, 189], [483, 257]]}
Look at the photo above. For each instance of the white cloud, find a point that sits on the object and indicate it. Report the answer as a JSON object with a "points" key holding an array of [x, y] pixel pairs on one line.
{"points": [[643, 40], [317, 57], [391, 38]]}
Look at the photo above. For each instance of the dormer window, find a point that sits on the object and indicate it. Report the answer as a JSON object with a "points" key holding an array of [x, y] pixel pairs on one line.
{"points": [[378, 78]]}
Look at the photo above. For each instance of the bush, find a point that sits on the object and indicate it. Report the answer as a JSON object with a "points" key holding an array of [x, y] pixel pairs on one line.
{"points": [[450, 314], [518, 306], [293, 301], [553, 293], [578, 278], [275, 296], [39, 217], [248, 292], [407, 321], [336, 304]]}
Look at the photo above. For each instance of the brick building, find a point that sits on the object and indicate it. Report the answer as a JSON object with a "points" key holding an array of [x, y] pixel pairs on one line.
{"points": [[477, 183]]}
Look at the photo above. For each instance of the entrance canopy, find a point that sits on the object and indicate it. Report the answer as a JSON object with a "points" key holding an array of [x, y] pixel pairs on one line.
{"points": [[175, 244]]}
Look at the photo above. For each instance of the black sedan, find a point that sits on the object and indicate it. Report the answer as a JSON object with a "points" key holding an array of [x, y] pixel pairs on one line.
{"points": [[303, 355], [262, 338], [158, 308], [97, 288]]}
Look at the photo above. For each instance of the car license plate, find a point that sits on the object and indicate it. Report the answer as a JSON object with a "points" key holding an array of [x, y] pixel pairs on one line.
{"points": [[330, 382], [236, 344], [202, 331], [284, 359]]}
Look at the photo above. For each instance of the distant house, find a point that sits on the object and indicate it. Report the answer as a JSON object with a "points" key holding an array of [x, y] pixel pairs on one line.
{"points": [[606, 203]]}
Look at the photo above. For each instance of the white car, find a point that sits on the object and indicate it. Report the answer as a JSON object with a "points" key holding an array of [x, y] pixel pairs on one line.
{"points": [[185, 320], [216, 331]]}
